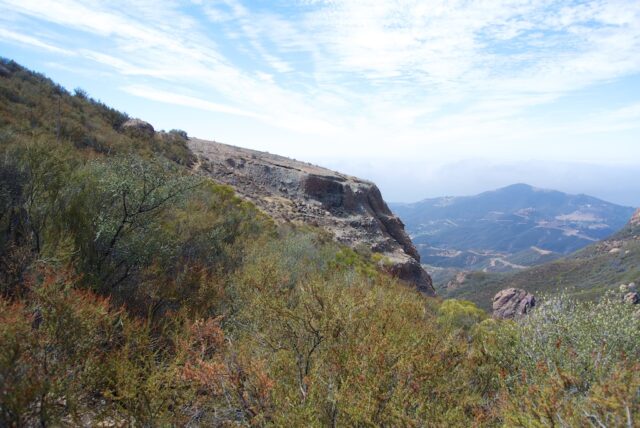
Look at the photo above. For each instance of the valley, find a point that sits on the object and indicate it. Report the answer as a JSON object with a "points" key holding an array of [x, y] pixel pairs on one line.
{"points": [[586, 274], [500, 230]]}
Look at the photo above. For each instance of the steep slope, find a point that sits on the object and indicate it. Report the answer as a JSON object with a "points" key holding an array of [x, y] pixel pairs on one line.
{"points": [[351, 209], [586, 274], [33, 107], [508, 228]]}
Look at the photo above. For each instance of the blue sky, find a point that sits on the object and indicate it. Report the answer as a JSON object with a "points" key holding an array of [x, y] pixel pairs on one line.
{"points": [[424, 97]]}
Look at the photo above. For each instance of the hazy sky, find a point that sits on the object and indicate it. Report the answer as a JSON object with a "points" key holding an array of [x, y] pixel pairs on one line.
{"points": [[424, 97]]}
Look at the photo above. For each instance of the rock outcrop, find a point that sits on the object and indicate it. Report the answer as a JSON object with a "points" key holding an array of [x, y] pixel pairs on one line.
{"points": [[457, 281], [512, 303], [138, 128], [291, 191]]}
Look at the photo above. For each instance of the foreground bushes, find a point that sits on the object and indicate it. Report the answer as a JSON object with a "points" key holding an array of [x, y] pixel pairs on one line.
{"points": [[302, 340], [143, 296], [572, 363]]}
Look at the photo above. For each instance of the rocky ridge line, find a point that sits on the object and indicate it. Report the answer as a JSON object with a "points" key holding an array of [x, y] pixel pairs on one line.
{"points": [[288, 190]]}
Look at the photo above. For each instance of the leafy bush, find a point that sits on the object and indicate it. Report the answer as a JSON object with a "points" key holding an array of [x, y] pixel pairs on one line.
{"points": [[565, 355], [459, 314], [583, 338]]}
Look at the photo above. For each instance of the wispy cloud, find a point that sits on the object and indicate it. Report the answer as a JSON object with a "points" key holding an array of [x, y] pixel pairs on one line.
{"points": [[421, 74], [31, 41], [187, 101]]}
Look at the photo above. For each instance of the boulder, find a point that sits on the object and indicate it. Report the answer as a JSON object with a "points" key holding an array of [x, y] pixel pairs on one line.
{"points": [[138, 128], [633, 298], [512, 303]]}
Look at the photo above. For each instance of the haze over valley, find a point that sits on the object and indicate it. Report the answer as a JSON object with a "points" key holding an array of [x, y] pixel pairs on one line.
{"points": [[509, 228]]}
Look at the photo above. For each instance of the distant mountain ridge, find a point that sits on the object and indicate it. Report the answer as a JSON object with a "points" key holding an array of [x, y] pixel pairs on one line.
{"points": [[508, 228]]}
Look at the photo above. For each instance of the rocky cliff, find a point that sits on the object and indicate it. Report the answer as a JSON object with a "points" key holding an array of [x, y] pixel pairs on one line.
{"points": [[350, 208]]}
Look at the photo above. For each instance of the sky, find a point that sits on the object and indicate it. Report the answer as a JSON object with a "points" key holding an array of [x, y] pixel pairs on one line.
{"points": [[426, 98]]}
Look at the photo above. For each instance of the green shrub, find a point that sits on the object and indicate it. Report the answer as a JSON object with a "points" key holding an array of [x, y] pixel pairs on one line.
{"points": [[459, 314], [566, 354]]}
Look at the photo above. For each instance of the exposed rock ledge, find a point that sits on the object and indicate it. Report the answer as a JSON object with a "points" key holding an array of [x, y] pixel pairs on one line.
{"points": [[512, 303], [350, 208]]}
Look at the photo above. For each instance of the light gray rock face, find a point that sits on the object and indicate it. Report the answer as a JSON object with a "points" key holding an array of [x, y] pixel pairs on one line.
{"points": [[635, 219], [138, 128], [512, 303], [291, 191]]}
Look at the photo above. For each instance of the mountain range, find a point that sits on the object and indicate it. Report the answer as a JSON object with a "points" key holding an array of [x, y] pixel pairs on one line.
{"points": [[507, 229]]}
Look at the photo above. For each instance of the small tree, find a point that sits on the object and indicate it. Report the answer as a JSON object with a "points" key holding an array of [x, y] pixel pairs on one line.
{"points": [[115, 215]]}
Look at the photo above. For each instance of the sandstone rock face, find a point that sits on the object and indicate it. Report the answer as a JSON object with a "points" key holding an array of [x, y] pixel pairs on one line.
{"points": [[512, 303], [138, 128], [632, 298], [635, 219], [350, 208]]}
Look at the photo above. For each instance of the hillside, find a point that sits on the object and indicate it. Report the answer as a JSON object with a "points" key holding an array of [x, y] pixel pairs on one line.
{"points": [[137, 290], [509, 228], [350, 209], [586, 274]]}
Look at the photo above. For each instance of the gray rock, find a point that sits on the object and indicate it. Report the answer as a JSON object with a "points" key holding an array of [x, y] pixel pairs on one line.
{"points": [[512, 303], [138, 128]]}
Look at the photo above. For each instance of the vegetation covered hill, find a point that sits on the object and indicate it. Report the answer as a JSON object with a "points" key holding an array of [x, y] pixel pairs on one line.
{"points": [[133, 293], [586, 274], [508, 228]]}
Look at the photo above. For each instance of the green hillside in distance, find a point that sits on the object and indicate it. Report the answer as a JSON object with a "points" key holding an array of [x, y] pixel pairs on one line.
{"points": [[509, 228], [586, 274]]}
